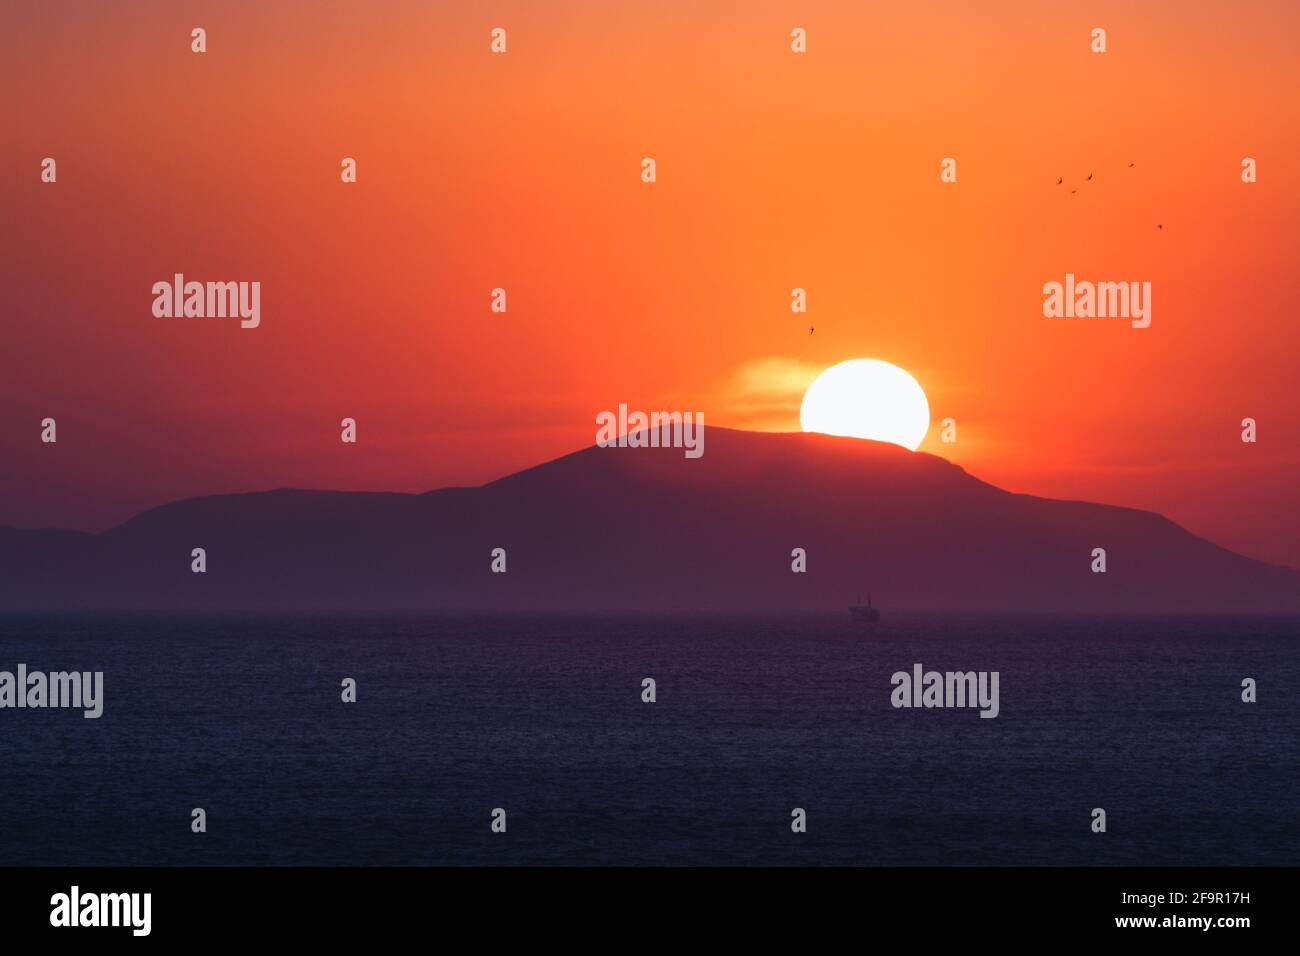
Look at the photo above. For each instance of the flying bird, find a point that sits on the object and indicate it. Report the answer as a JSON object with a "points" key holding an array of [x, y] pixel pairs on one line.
{"points": [[1131, 165], [1059, 180], [1160, 225], [1090, 177], [1073, 191], [811, 330]]}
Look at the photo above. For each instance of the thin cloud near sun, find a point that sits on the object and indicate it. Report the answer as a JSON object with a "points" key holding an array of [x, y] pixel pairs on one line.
{"points": [[764, 394]]}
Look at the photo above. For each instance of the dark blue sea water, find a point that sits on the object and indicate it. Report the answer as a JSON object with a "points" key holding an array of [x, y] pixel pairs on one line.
{"points": [[543, 717]]}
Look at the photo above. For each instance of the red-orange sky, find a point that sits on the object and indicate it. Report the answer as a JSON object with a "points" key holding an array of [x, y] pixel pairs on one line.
{"points": [[522, 170]]}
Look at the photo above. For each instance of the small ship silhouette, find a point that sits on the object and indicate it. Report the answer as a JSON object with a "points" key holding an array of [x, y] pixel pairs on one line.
{"points": [[864, 613]]}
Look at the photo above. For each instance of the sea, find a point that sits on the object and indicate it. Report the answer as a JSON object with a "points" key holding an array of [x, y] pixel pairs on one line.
{"points": [[540, 723]]}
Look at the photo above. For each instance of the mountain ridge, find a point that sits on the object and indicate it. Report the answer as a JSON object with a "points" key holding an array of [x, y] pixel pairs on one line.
{"points": [[639, 528]]}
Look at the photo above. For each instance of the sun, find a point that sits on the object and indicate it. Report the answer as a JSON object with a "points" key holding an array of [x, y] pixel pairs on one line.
{"points": [[867, 398]]}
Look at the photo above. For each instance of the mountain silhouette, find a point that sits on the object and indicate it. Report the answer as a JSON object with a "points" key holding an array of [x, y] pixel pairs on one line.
{"points": [[648, 528]]}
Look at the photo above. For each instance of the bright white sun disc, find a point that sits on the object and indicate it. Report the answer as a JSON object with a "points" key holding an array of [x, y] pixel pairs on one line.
{"points": [[867, 398]]}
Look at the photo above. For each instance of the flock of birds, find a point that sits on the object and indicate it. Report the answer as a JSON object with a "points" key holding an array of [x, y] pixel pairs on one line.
{"points": [[1060, 181]]}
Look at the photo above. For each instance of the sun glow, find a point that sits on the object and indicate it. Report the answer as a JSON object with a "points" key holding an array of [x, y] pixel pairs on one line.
{"points": [[867, 398]]}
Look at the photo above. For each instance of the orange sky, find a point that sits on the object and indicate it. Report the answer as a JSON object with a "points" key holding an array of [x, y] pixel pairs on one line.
{"points": [[774, 171]]}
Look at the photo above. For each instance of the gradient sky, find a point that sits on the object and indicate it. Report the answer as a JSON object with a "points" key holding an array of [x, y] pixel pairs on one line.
{"points": [[522, 171]]}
